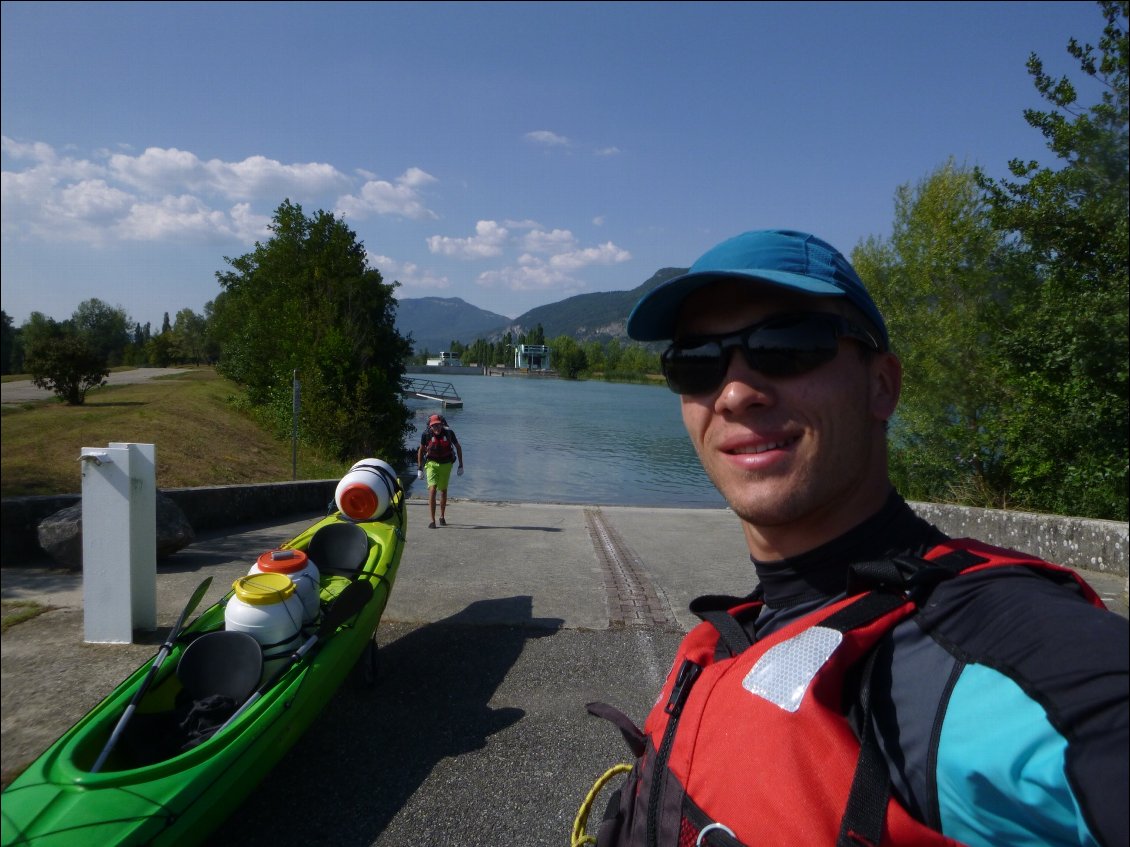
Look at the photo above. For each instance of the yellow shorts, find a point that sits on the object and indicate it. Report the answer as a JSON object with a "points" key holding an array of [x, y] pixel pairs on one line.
{"points": [[438, 474]]}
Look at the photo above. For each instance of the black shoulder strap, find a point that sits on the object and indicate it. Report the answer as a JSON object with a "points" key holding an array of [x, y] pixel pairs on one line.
{"points": [[715, 610], [866, 810], [911, 576]]}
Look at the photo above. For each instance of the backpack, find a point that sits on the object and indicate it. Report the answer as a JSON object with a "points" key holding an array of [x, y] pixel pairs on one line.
{"points": [[708, 767]]}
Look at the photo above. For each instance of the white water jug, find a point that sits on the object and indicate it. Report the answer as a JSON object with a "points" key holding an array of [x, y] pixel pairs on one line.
{"points": [[366, 491], [302, 572], [267, 607]]}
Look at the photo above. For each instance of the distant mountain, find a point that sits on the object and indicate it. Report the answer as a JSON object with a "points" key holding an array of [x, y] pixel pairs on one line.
{"points": [[587, 316], [436, 321]]}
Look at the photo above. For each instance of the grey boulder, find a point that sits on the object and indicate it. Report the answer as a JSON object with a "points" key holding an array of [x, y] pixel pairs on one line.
{"points": [[60, 534]]}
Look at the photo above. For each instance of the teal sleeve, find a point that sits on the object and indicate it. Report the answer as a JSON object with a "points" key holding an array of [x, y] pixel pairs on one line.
{"points": [[1000, 770]]}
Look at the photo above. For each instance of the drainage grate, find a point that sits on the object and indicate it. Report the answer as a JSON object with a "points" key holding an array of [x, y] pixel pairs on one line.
{"points": [[633, 601]]}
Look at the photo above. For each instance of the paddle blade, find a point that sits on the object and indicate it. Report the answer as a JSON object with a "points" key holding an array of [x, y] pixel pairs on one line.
{"points": [[196, 597]]}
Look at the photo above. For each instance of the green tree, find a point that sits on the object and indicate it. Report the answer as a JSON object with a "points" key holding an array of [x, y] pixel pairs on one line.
{"points": [[307, 301], [943, 287], [7, 342], [595, 361], [39, 328], [636, 358], [67, 364], [1066, 347], [567, 356], [105, 327], [159, 351], [479, 352], [189, 336], [212, 343]]}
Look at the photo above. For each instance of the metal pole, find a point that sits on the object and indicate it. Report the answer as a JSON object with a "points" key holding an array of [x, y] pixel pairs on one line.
{"points": [[294, 428]]}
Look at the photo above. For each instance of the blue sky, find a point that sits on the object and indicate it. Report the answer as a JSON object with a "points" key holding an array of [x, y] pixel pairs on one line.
{"points": [[510, 154]]}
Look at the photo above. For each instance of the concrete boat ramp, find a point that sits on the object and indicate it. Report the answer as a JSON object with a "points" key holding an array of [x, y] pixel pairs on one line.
{"points": [[501, 627]]}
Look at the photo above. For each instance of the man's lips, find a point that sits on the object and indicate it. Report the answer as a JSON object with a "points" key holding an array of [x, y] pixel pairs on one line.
{"points": [[754, 448]]}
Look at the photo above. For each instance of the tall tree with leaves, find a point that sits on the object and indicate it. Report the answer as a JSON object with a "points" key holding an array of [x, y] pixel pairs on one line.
{"points": [[567, 357], [1066, 345], [105, 327], [63, 360], [188, 336], [307, 301], [7, 342], [942, 285]]}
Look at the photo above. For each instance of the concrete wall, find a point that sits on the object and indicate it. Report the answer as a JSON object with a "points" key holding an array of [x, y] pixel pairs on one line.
{"points": [[206, 508], [439, 370], [1079, 542]]}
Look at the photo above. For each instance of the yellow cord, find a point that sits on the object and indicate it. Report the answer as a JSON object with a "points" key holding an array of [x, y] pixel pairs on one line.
{"points": [[579, 837]]}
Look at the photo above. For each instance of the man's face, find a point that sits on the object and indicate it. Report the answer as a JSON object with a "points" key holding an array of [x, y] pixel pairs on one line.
{"points": [[800, 459]]}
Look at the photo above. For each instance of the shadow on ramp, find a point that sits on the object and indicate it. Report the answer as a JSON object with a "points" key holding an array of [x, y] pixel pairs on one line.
{"points": [[375, 746]]}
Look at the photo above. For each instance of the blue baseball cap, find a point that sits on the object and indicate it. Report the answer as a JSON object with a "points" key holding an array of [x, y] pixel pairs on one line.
{"points": [[781, 257]]}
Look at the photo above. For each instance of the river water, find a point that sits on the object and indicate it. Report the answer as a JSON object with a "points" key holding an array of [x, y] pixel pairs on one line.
{"points": [[560, 441]]}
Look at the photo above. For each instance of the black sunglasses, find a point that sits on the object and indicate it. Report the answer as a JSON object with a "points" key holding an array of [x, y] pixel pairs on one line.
{"points": [[783, 345]]}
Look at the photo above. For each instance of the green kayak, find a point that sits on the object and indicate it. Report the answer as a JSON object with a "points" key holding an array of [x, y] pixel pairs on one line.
{"points": [[186, 758]]}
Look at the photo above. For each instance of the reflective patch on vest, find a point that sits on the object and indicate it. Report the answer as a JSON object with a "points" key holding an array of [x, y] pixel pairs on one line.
{"points": [[783, 674]]}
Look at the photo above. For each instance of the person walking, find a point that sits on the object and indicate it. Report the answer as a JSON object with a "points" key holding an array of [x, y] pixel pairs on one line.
{"points": [[884, 683], [435, 457]]}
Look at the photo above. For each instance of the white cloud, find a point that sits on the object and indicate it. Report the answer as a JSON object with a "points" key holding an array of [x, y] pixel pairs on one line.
{"points": [[168, 193], [486, 243], [535, 276], [386, 198], [535, 273], [598, 220], [556, 241], [172, 217], [607, 151], [248, 226], [408, 274], [160, 170], [523, 224], [549, 139], [36, 150], [603, 254], [92, 199]]}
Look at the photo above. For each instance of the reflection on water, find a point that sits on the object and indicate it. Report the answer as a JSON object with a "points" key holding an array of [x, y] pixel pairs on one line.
{"points": [[556, 441]]}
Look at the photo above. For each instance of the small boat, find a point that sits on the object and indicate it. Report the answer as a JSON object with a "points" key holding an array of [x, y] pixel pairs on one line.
{"points": [[177, 746]]}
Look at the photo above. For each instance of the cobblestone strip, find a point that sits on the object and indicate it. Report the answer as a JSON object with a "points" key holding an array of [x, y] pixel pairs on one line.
{"points": [[632, 600]]}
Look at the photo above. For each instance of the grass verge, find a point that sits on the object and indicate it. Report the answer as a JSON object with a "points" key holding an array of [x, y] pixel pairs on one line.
{"points": [[201, 437], [13, 612]]}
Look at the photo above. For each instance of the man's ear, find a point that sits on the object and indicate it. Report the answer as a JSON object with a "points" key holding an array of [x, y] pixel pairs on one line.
{"points": [[886, 385]]}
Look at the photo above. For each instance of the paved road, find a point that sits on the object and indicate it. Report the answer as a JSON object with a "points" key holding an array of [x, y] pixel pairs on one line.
{"points": [[24, 391], [500, 628]]}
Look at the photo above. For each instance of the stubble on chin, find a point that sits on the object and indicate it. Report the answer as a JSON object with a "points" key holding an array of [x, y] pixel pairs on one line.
{"points": [[759, 502]]}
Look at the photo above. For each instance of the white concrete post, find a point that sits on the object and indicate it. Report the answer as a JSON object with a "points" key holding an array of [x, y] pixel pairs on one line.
{"points": [[119, 542], [142, 533]]}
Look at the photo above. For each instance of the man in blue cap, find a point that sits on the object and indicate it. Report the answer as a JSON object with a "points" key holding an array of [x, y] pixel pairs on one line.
{"points": [[884, 683]]}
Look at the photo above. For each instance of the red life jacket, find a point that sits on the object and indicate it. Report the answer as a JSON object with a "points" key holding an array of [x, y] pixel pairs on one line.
{"points": [[751, 744], [440, 448]]}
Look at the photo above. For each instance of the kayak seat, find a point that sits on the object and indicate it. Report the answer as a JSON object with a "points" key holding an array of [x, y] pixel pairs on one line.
{"points": [[219, 671], [339, 548], [224, 662]]}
